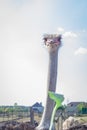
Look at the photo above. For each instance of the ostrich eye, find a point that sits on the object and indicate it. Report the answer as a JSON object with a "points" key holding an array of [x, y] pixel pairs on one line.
{"points": [[45, 39], [59, 38]]}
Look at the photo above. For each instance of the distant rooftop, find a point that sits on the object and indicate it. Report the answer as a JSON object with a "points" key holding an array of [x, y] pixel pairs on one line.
{"points": [[37, 105], [74, 103]]}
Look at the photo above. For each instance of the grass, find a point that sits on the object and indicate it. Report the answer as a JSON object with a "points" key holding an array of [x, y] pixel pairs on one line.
{"points": [[82, 119], [37, 117]]}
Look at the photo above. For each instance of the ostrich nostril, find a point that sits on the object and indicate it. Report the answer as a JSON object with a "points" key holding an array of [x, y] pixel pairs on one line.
{"points": [[51, 41]]}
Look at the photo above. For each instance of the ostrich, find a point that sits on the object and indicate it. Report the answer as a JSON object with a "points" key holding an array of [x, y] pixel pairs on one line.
{"points": [[53, 43]]}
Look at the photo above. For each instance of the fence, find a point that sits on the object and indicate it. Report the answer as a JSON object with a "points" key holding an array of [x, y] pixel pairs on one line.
{"points": [[13, 115], [29, 115]]}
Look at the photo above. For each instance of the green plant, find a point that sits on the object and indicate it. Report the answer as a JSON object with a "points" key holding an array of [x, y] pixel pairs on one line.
{"points": [[58, 99]]}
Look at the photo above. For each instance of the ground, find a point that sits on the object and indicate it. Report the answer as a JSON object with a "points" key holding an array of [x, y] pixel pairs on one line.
{"points": [[24, 124]]}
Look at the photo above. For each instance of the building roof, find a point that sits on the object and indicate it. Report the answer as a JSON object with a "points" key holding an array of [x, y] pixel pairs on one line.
{"points": [[74, 103], [37, 105]]}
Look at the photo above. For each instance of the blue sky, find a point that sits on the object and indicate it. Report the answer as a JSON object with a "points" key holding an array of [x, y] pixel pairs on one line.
{"points": [[24, 58]]}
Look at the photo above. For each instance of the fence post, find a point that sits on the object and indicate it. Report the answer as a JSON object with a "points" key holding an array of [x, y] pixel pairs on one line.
{"points": [[61, 123], [58, 123], [31, 116]]}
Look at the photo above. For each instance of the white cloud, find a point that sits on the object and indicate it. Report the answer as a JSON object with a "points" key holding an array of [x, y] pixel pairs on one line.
{"points": [[81, 50], [69, 34], [66, 34], [60, 30]]}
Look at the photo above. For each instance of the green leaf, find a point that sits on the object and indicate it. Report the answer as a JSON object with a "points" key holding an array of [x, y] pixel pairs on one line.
{"points": [[58, 98]]}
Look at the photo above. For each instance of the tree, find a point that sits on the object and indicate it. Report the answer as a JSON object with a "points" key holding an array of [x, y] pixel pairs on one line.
{"points": [[80, 107]]}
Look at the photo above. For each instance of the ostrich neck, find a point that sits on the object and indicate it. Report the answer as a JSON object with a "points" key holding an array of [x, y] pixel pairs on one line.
{"points": [[51, 85], [52, 70]]}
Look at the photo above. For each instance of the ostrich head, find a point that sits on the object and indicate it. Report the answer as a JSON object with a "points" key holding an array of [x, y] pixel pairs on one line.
{"points": [[52, 41]]}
